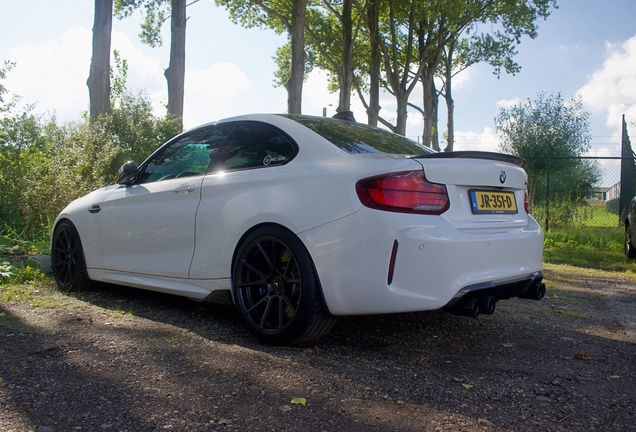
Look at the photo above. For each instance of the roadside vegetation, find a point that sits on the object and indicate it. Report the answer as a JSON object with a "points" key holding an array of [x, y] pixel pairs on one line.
{"points": [[44, 166]]}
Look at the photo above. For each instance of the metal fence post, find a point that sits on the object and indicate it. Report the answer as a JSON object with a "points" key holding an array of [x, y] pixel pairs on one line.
{"points": [[628, 174]]}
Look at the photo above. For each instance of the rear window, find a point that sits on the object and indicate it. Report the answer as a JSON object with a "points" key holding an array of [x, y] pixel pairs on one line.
{"points": [[356, 138]]}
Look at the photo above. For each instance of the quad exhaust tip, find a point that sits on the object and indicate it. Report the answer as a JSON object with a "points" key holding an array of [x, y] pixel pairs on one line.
{"points": [[536, 292], [473, 306]]}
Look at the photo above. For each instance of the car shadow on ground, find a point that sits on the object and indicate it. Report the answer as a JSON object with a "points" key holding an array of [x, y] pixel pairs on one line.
{"points": [[142, 360]]}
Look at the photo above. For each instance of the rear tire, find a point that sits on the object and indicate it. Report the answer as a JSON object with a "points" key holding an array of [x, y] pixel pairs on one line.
{"points": [[276, 288], [67, 258]]}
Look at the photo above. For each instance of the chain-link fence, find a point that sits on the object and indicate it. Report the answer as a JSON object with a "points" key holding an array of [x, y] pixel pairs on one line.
{"points": [[569, 191]]}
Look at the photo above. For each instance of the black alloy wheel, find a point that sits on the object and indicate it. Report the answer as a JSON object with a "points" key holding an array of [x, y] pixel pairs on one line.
{"points": [[67, 258], [276, 289]]}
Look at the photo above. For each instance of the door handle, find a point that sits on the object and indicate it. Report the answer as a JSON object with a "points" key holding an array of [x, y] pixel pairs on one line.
{"points": [[185, 188]]}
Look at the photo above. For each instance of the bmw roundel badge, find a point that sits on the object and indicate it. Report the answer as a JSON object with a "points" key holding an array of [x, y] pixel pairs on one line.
{"points": [[502, 177]]}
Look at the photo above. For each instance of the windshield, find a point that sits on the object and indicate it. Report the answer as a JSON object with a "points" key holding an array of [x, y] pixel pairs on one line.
{"points": [[356, 138]]}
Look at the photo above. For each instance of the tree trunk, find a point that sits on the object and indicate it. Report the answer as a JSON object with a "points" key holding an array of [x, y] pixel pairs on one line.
{"points": [[400, 123], [373, 112], [450, 112], [294, 85], [428, 102], [346, 80], [434, 114], [175, 74], [99, 78], [450, 108]]}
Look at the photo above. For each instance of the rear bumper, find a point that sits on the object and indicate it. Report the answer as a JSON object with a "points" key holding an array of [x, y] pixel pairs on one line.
{"points": [[435, 266], [525, 288], [483, 298]]}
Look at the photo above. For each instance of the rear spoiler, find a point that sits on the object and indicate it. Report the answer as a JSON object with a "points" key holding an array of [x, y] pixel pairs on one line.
{"points": [[470, 154]]}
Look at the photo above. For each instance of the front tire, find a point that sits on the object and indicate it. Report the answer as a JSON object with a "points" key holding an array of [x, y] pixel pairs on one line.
{"points": [[276, 289], [67, 258]]}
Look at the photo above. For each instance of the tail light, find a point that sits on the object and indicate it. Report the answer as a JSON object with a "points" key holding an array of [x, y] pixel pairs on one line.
{"points": [[526, 203], [403, 192]]}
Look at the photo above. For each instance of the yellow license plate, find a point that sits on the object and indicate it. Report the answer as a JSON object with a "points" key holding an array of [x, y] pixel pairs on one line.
{"points": [[489, 202]]}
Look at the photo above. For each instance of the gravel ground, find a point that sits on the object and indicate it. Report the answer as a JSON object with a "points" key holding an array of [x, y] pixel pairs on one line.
{"points": [[119, 359]]}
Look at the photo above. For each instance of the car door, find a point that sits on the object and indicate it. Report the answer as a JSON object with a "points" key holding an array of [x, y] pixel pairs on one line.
{"points": [[148, 227], [234, 190]]}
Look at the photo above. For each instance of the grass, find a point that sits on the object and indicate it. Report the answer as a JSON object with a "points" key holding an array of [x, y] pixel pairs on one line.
{"points": [[595, 214], [594, 243], [117, 312], [590, 214], [42, 292], [16, 292]]}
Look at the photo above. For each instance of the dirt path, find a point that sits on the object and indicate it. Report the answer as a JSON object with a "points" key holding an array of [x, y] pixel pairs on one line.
{"points": [[127, 360]]}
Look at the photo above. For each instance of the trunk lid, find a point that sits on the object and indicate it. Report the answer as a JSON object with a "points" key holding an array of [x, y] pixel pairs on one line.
{"points": [[486, 190]]}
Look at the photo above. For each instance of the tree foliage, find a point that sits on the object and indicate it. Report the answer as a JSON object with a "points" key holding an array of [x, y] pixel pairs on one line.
{"points": [[155, 14], [395, 44], [546, 126], [552, 134]]}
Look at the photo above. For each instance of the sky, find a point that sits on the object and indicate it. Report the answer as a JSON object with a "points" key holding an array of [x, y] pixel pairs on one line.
{"points": [[586, 48]]}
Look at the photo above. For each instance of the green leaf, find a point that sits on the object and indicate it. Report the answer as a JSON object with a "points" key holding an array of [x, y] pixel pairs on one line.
{"points": [[32, 263]]}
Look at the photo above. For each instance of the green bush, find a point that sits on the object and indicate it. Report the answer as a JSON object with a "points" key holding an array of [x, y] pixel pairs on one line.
{"points": [[44, 166]]}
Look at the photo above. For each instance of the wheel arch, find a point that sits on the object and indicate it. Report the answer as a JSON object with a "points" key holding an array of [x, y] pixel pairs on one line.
{"points": [[239, 243], [80, 279], [56, 224]]}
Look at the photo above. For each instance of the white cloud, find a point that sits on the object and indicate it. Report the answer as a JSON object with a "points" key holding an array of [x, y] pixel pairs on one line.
{"points": [[507, 103], [316, 96], [215, 93], [462, 78], [54, 74], [484, 141], [611, 89]]}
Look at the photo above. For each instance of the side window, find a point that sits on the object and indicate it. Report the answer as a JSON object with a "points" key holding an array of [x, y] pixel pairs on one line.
{"points": [[189, 156], [253, 145]]}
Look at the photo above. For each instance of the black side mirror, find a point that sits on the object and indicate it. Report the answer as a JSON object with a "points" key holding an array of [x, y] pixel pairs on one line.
{"points": [[127, 173]]}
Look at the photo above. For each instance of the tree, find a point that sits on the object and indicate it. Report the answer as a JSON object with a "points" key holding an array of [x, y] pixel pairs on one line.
{"points": [[330, 31], [297, 38], [175, 74], [551, 134], [441, 26], [497, 50], [98, 80], [514, 19], [392, 34], [280, 16], [156, 14], [373, 17], [4, 70]]}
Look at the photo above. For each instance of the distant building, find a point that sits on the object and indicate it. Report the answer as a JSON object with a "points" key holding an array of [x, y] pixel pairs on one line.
{"points": [[614, 192]]}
